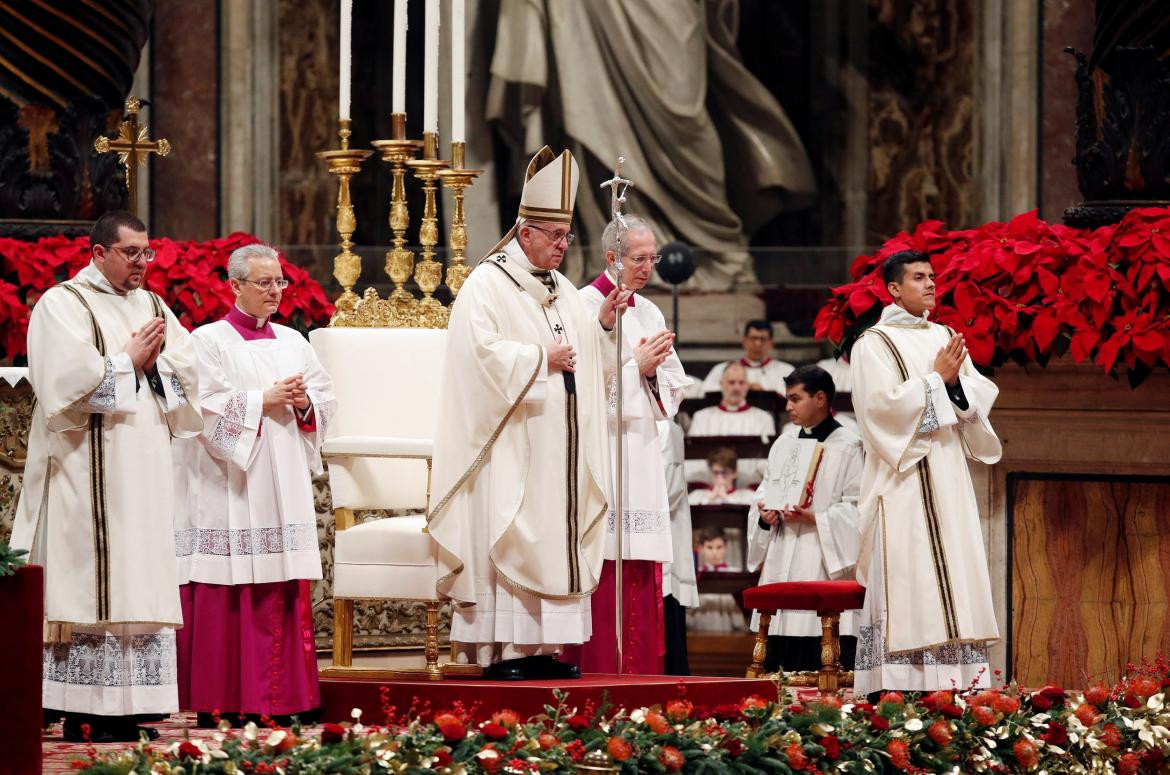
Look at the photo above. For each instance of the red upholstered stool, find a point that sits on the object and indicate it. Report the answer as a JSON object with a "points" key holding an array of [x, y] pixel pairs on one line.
{"points": [[827, 598]]}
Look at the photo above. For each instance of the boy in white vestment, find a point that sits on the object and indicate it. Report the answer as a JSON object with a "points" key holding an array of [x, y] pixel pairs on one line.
{"points": [[521, 460], [923, 410], [816, 542], [653, 386], [246, 530], [115, 379], [763, 372]]}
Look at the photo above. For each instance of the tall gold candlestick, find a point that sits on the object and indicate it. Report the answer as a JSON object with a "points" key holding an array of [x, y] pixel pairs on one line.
{"points": [[428, 272], [345, 162], [457, 179], [403, 307]]}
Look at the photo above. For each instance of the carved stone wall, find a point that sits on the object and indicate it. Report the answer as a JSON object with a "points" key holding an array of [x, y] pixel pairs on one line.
{"points": [[308, 121], [921, 113]]}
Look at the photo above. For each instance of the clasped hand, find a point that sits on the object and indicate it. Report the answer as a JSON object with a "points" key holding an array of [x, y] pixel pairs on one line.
{"points": [[950, 359], [288, 392], [652, 351], [145, 344]]}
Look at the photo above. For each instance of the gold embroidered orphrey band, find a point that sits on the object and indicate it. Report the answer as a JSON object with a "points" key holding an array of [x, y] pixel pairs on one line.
{"points": [[930, 510], [97, 481]]}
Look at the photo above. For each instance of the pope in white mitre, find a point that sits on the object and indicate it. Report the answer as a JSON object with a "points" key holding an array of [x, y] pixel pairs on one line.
{"points": [[114, 374], [521, 452], [922, 409]]}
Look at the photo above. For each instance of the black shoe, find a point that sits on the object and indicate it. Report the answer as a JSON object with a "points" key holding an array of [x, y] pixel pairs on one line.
{"points": [[104, 729], [207, 720], [507, 670], [547, 667], [49, 717]]}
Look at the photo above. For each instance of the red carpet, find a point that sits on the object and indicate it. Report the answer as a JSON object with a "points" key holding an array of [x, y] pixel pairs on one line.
{"points": [[339, 696]]}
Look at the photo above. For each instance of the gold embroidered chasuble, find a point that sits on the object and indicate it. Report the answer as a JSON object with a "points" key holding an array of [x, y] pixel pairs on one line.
{"points": [[96, 506], [519, 484], [919, 518]]}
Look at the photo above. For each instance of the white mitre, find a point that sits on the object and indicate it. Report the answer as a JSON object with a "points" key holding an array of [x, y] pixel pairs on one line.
{"points": [[550, 191]]}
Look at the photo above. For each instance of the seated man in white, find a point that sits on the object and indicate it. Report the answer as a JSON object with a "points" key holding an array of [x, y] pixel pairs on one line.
{"points": [[763, 373], [816, 542], [732, 417]]}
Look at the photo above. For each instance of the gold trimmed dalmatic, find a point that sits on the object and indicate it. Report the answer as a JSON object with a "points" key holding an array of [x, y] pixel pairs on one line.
{"points": [[919, 517], [518, 491], [96, 504]]}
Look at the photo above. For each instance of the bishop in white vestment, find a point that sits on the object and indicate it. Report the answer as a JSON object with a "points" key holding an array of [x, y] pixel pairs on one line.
{"points": [[246, 530], [115, 379], [814, 543], [653, 386], [923, 411], [521, 460]]}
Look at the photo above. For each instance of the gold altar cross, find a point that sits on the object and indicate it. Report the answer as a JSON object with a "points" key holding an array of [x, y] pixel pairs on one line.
{"points": [[133, 145]]}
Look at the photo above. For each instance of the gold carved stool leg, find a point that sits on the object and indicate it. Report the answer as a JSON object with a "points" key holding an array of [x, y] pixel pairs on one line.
{"points": [[829, 680], [342, 633], [431, 643], [760, 647]]}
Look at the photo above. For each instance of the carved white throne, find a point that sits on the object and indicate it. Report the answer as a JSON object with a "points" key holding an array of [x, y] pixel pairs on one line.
{"points": [[379, 457]]}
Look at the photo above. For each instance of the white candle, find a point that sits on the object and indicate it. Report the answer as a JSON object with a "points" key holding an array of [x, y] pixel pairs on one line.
{"points": [[343, 70], [398, 95], [458, 73], [431, 69]]}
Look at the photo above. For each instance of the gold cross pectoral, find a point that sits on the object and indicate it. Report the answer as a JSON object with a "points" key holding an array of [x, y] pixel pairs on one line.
{"points": [[133, 146]]}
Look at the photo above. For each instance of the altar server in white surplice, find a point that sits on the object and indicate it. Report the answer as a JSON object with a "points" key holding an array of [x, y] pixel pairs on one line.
{"points": [[653, 386], [734, 416], [115, 379], [246, 533], [816, 542], [763, 372], [521, 460], [923, 410]]}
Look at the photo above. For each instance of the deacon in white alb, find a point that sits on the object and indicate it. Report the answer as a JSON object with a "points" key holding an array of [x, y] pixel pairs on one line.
{"points": [[814, 543], [521, 460], [115, 379], [923, 410], [653, 386], [246, 530]]}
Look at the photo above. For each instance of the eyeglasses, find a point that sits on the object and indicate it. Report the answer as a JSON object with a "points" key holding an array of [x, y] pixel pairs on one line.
{"points": [[267, 285], [133, 255], [555, 236], [653, 258]]}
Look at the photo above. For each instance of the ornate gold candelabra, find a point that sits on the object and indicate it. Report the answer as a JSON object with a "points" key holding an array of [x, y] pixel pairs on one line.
{"points": [[428, 272], [402, 306], [457, 179], [345, 162]]}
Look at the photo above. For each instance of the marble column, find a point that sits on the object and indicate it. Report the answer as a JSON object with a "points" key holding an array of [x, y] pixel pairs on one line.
{"points": [[185, 110], [248, 127]]}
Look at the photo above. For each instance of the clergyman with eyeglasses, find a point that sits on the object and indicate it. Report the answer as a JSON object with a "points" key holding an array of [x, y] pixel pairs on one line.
{"points": [[115, 378], [246, 532], [521, 456], [653, 387]]}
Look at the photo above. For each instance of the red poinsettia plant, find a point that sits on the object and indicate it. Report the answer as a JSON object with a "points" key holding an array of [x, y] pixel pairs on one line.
{"points": [[1026, 291], [190, 276]]}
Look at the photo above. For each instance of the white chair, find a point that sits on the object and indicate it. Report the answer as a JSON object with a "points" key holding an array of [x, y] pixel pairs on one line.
{"points": [[379, 457]]}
